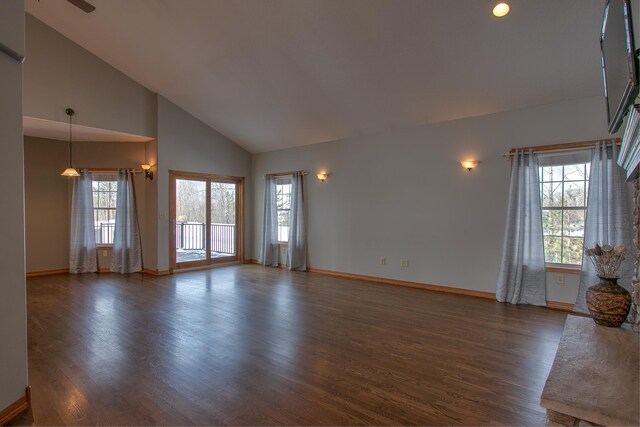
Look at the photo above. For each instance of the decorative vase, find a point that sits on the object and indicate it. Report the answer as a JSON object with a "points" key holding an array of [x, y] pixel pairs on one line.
{"points": [[608, 302]]}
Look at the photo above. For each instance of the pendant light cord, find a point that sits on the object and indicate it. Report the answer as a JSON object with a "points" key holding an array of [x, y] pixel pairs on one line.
{"points": [[70, 142], [70, 113]]}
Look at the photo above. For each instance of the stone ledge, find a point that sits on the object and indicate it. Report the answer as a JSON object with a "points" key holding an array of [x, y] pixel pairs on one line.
{"points": [[594, 376]]}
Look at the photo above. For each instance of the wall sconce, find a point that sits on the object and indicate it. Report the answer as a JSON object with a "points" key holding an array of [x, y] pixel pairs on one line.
{"points": [[469, 164], [501, 9], [148, 174], [322, 176]]}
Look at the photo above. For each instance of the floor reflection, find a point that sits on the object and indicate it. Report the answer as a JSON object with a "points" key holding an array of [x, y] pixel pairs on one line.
{"points": [[246, 345]]}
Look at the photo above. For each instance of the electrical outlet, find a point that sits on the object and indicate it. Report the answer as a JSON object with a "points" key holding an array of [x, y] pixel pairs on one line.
{"points": [[404, 263], [560, 279], [162, 216], [383, 261], [104, 253]]}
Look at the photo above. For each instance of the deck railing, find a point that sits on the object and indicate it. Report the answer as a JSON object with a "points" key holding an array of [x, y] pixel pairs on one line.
{"points": [[192, 236], [104, 233], [189, 236]]}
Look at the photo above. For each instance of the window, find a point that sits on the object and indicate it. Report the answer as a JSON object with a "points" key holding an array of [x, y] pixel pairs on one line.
{"points": [[105, 190], [283, 207], [564, 190]]}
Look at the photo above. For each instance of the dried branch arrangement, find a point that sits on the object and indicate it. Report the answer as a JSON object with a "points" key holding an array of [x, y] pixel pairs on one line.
{"points": [[606, 259]]}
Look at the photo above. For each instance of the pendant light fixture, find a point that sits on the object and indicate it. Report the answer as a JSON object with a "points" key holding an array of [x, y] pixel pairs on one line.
{"points": [[70, 171]]}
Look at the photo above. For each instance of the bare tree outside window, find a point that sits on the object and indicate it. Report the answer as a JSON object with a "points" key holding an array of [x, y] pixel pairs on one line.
{"points": [[564, 190], [223, 203], [191, 203], [104, 210], [283, 207]]}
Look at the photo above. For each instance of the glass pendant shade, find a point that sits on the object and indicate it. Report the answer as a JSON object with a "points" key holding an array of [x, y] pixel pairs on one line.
{"points": [[70, 172]]}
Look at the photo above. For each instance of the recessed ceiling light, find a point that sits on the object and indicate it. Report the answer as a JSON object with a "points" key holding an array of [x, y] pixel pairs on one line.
{"points": [[501, 9]]}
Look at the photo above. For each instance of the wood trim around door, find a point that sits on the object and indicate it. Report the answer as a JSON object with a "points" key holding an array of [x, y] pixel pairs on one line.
{"points": [[208, 178]]}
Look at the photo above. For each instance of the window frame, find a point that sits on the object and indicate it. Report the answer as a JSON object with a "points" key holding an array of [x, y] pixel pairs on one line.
{"points": [[563, 161], [111, 177], [283, 180], [175, 175]]}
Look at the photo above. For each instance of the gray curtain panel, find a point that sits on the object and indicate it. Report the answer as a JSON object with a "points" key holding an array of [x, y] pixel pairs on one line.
{"points": [[126, 256], [297, 248], [82, 251], [522, 278], [270, 224], [608, 219]]}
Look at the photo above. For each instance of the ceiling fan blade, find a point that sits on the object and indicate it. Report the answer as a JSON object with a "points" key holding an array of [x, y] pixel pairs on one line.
{"points": [[82, 4]]}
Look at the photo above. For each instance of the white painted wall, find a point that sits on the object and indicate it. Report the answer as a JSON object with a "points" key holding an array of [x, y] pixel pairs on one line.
{"points": [[186, 144], [58, 74], [150, 248], [13, 321], [46, 204], [403, 195], [562, 292]]}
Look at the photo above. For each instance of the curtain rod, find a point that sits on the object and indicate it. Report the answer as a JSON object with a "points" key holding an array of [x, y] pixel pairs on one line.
{"points": [[114, 170], [287, 173], [562, 147]]}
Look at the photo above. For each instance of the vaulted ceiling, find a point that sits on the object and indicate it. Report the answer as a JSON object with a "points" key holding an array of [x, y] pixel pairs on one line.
{"points": [[272, 74]]}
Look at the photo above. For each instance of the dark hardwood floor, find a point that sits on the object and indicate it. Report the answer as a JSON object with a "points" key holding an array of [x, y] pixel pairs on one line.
{"points": [[248, 345]]}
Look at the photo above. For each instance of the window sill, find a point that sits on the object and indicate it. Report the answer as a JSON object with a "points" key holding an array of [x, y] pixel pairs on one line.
{"points": [[562, 269], [283, 243], [104, 247]]}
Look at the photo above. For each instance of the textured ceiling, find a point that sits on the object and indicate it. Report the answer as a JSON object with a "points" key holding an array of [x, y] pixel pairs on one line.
{"points": [[272, 74]]}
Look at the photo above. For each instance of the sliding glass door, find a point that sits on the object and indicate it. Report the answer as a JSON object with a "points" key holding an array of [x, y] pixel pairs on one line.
{"points": [[206, 212], [190, 220], [223, 219]]}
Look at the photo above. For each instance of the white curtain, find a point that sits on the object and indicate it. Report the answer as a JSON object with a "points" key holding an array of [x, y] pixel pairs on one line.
{"points": [[297, 247], [82, 253], [608, 218], [270, 224], [522, 278], [126, 256]]}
